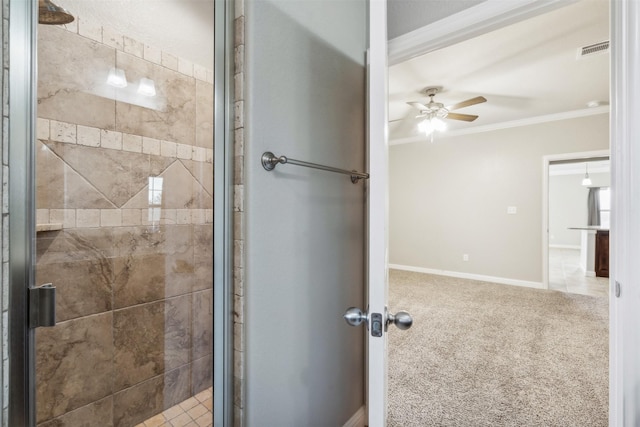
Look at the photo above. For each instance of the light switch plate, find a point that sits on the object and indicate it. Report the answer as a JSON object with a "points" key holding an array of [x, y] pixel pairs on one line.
{"points": [[512, 210]]}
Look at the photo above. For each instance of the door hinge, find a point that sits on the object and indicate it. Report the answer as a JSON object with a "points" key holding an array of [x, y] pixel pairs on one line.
{"points": [[42, 306]]}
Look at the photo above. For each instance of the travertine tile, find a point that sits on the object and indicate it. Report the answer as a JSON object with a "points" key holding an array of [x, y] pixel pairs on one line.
{"points": [[111, 139], [87, 218], [131, 217], [152, 54], [73, 364], [184, 151], [200, 72], [63, 132], [185, 67], [42, 216], [151, 146], [238, 114], [112, 38], [88, 136], [133, 47], [89, 29], [132, 143], [110, 217], [42, 129], [170, 61], [67, 217], [168, 148]]}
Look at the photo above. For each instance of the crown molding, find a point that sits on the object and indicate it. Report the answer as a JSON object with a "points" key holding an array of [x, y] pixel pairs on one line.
{"points": [[482, 18]]}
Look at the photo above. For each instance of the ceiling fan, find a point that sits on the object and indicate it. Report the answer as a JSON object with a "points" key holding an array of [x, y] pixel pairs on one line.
{"points": [[436, 109]]}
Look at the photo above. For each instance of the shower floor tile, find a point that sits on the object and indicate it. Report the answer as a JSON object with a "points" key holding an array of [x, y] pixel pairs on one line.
{"points": [[193, 412]]}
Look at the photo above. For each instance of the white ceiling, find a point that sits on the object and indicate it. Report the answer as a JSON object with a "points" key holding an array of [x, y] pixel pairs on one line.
{"points": [[181, 27], [579, 168], [525, 70]]}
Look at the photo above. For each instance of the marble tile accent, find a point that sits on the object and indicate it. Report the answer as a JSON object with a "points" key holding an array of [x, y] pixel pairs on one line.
{"points": [[178, 332], [73, 364], [204, 114], [139, 279], [180, 191], [202, 323], [96, 414], [180, 249], [144, 400], [177, 121], [71, 69], [59, 186], [138, 334], [203, 256], [75, 245], [202, 172], [201, 374], [83, 286], [118, 175]]}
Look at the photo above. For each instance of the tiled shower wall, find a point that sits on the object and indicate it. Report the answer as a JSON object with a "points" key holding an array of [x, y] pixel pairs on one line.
{"points": [[134, 273], [238, 206]]}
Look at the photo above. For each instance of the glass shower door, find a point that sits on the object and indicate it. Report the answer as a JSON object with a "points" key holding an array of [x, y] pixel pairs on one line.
{"points": [[124, 197]]}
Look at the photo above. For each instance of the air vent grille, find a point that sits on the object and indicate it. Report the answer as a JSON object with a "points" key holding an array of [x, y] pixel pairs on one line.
{"points": [[593, 49]]}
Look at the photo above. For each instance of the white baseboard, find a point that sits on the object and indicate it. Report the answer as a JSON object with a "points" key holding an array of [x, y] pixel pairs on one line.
{"points": [[565, 246], [590, 273], [501, 280], [358, 419]]}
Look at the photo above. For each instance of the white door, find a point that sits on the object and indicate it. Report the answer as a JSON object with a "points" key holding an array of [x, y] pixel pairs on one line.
{"points": [[377, 213], [377, 317]]}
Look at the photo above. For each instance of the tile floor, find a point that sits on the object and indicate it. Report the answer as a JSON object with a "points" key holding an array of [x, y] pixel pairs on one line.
{"points": [[193, 412], [566, 275]]}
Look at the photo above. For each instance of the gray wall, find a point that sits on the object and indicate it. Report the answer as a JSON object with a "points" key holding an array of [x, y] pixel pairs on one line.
{"points": [[404, 16], [304, 228], [450, 197], [568, 206]]}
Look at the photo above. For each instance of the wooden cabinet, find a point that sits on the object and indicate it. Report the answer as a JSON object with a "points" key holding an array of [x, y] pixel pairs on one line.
{"points": [[602, 253]]}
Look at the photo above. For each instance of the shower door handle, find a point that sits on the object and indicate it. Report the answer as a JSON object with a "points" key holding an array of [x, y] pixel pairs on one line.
{"points": [[42, 306]]}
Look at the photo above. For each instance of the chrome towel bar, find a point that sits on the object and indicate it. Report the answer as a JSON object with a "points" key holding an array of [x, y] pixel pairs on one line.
{"points": [[270, 161]]}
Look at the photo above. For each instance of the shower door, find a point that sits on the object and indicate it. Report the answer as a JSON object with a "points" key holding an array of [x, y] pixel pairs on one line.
{"points": [[124, 213]]}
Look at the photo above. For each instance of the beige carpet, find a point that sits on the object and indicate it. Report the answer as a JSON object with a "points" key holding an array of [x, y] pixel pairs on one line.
{"points": [[483, 354]]}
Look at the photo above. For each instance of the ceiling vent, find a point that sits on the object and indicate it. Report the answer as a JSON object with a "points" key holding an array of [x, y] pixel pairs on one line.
{"points": [[593, 49]]}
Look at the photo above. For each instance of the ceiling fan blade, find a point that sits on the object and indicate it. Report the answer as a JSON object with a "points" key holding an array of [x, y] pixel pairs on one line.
{"points": [[467, 103], [418, 105], [463, 117]]}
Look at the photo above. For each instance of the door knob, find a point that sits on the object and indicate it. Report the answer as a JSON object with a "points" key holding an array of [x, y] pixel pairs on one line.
{"points": [[401, 319], [354, 316]]}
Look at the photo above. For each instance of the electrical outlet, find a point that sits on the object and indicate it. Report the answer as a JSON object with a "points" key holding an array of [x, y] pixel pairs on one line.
{"points": [[465, 257], [512, 210]]}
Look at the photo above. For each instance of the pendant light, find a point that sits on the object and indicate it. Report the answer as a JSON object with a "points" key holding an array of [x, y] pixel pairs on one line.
{"points": [[586, 181]]}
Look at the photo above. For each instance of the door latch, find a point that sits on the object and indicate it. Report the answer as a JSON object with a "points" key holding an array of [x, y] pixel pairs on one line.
{"points": [[42, 306]]}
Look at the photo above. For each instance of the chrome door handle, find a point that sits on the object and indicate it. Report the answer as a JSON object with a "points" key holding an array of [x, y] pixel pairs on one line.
{"points": [[401, 319], [354, 316]]}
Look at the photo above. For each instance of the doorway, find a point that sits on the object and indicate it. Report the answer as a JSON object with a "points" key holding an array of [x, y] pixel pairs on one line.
{"points": [[118, 213], [576, 222]]}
